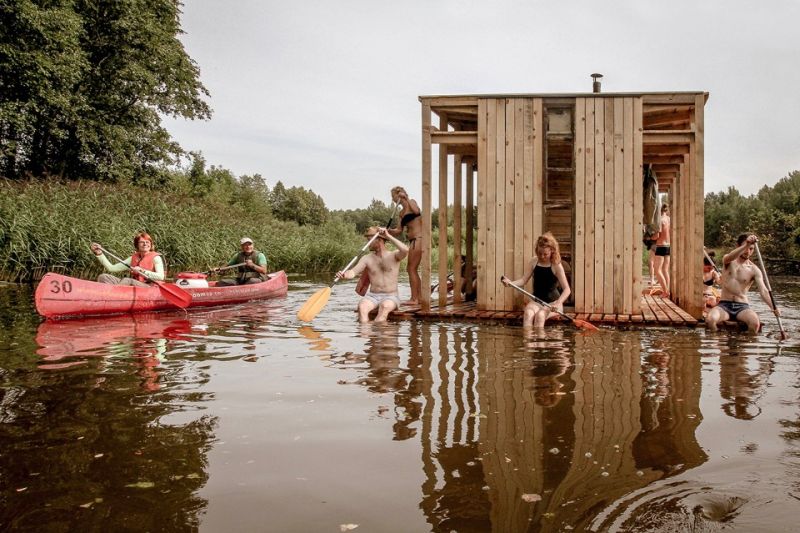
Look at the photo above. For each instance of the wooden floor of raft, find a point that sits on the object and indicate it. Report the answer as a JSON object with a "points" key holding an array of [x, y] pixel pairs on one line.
{"points": [[656, 310]]}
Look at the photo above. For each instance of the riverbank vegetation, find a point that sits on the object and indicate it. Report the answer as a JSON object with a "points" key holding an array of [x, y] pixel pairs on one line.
{"points": [[773, 213]]}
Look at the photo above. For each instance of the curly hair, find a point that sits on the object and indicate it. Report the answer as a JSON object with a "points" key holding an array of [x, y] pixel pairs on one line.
{"points": [[549, 241]]}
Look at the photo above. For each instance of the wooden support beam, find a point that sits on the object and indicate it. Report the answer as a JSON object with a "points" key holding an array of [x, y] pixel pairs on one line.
{"points": [[457, 188], [425, 264], [442, 219], [667, 99], [454, 137], [457, 109], [666, 167], [450, 101], [664, 159], [667, 137], [461, 149], [665, 149]]}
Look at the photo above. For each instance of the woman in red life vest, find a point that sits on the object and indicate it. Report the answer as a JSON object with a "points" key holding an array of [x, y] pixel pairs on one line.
{"points": [[144, 265]]}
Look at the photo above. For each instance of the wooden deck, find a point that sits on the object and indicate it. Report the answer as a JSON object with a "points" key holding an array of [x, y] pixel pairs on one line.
{"points": [[656, 310]]}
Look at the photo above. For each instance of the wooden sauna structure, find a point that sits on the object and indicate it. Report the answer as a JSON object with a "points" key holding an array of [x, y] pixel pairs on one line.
{"points": [[515, 166]]}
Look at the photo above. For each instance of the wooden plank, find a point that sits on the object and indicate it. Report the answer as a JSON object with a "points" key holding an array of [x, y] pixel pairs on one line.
{"points": [[491, 206], [442, 219], [590, 219], [528, 178], [628, 210], [661, 316], [608, 206], [457, 220], [666, 308], [578, 253], [450, 101], [461, 149], [470, 236], [695, 307], [621, 195], [453, 137], [500, 206], [519, 194], [538, 169], [667, 138], [672, 98], [508, 211], [638, 207], [482, 200], [647, 312], [425, 264]]}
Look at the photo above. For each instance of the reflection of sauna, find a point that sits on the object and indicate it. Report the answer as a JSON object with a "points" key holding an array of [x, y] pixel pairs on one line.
{"points": [[494, 429]]}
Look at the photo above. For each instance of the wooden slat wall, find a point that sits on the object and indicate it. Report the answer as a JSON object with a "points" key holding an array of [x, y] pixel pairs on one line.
{"points": [[608, 226], [510, 179], [443, 157]]}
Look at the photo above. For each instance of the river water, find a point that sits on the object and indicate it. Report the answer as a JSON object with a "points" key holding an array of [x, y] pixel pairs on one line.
{"points": [[244, 419]]}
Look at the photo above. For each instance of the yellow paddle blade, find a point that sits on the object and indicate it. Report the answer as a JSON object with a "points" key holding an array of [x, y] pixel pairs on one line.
{"points": [[314, 305]]}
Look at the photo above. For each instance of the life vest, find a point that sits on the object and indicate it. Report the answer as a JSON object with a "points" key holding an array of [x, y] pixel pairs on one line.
{"points": [[147, 262], [244, 272]]}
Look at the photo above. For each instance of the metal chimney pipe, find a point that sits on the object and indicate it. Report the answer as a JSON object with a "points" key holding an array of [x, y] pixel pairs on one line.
{"points": [[596, 82]]}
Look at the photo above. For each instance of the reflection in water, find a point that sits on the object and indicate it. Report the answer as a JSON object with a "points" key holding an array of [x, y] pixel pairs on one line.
{"points": [[115, 451], [179, 421], [537, 431]]}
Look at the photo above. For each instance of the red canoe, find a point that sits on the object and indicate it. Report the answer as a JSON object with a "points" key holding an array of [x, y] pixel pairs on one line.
{"points": [[62, 296]]}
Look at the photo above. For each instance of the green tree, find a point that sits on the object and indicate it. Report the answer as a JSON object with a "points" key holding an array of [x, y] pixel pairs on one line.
{"points": [[83, 86]]}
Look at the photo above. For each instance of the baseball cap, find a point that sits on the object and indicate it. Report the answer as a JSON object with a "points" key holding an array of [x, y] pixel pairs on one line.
{"points": [[245, 240]]}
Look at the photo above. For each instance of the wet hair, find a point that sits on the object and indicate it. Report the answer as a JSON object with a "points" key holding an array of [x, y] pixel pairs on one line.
{"points": [[548, 240], [664, 207], [371, 231], [741, 238], [146, 236], [706, 262]]}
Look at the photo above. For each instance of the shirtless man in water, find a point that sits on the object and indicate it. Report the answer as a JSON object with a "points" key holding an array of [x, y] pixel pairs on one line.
{"points": [[738, 274], [383, 267]]}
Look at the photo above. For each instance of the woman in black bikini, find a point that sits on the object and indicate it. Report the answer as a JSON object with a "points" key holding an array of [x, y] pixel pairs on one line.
{"points": [[411, 221], [548, 275], [710, 277]]}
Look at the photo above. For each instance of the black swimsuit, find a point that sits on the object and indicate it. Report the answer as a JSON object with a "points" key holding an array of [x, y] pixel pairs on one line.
{"points": [[545, 284], [407, 218]]}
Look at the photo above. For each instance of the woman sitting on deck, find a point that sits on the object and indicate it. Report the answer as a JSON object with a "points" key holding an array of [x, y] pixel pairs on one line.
{"points": [[548, 275]]}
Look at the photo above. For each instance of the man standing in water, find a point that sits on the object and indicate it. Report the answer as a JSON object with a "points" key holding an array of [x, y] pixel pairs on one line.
{"points": [[738, 274], [383, 267]]}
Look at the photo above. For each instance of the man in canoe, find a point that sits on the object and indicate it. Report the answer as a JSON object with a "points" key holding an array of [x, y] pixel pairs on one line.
{"points": [[145, 265], [738, 274], [383, 267], [253, 269]]}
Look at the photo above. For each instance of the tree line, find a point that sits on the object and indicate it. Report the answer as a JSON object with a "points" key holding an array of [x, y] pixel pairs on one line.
{"points": [[773, 213]]}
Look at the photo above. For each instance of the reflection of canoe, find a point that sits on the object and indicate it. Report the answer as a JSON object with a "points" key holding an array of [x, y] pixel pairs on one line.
{"points": [[61, 296], [93, 336]]}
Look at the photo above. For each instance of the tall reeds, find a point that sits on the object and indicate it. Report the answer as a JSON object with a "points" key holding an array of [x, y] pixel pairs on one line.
{"points": [[48, 225]]}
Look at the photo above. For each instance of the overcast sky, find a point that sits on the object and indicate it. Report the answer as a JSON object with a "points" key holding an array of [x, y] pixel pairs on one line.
{"points": [[324, 94]]}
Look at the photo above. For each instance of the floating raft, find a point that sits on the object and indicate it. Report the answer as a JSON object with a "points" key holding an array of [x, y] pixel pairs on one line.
{"points": [[656, 310]]}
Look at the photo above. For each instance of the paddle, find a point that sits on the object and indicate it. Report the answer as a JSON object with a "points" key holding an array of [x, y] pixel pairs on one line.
{"points": [[710, 260], [580, 323], [319, 299], [769, 289], [172, 293], [220, 269]]}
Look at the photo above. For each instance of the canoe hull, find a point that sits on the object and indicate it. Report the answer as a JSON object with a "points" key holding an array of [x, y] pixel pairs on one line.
{"points": [[60, 296]]}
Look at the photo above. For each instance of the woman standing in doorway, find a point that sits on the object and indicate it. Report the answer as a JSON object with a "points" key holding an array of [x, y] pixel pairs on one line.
{"points": [[412, 223]]}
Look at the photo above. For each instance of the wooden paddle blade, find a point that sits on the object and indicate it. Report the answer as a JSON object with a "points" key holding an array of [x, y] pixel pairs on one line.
{"points": [[174, 294], [585, 325], [314, 305]]}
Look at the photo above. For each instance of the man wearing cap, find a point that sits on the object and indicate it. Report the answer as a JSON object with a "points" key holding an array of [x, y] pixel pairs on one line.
{"points": [[253, 267], [383, 267]]}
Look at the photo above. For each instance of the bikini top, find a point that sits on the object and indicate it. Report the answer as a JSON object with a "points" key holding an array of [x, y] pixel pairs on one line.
{"points": [[407, 218]]}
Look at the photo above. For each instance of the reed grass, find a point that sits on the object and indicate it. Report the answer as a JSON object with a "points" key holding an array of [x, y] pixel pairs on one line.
{"points": [[48, 226]]}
